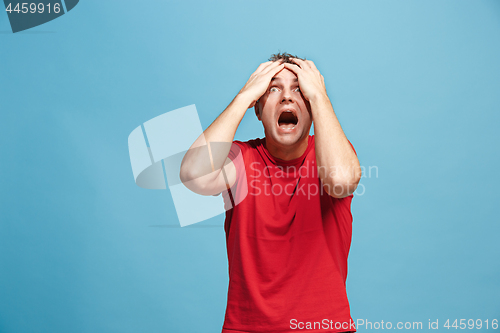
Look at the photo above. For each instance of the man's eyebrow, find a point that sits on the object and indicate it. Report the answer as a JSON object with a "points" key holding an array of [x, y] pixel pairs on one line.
{"points": [[278, 79]]}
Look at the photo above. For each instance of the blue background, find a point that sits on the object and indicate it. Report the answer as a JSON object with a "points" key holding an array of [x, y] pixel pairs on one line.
{"points": [[415, 85]]}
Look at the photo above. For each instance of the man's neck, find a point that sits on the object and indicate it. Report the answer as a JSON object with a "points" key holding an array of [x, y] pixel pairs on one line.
{"points": [[287, 153]]}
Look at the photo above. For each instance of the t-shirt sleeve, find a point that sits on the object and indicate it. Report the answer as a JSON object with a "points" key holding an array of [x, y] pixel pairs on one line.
{"points": [[236, 156], [237, 148], [239, 190], [352, 147]]}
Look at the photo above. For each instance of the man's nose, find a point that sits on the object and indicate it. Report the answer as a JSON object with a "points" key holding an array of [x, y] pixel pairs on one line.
{"points": [[286, 96]]}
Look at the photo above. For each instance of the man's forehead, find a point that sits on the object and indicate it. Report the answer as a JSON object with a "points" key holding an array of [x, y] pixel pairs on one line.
{"points": [[285, 75], [279, 79]]}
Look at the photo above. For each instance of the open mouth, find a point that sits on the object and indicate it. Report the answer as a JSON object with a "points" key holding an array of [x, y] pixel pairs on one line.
{"points": [[287, 120]]}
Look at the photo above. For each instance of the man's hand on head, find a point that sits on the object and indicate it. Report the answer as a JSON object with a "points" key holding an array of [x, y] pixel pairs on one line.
{"points": [[259, 81], [311, 82]]}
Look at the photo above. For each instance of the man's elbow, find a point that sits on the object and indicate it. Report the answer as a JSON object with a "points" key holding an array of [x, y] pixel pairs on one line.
{"points": [[193, 173], [341, 188], [185, 174], [206, 185]]}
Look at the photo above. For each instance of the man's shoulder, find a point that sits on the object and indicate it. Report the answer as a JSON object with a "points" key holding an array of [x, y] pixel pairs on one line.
{"points": [[244, 148]]}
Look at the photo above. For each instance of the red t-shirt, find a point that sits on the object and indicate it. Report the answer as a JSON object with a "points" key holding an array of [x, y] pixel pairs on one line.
{"points": [[287, 245]]}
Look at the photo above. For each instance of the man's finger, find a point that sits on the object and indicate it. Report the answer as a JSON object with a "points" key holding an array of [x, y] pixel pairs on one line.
{"points": [[262, 66], [270, 66], [302, 64], [311, 64], [294, 68], [272, 72], [266, 65], [274, 68]]}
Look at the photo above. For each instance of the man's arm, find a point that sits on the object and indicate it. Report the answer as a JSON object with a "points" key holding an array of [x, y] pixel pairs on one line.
{"points": [[201, 168], [338, 165]]}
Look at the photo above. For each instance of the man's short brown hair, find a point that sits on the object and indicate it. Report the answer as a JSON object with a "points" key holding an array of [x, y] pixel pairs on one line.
{"points": [[285, 56]]}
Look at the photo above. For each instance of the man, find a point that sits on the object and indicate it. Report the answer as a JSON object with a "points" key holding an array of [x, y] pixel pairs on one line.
{"points": [[288, 222]]}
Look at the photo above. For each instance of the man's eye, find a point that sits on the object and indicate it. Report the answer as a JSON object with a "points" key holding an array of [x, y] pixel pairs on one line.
{"points": [[273, 89], [297, 89]]}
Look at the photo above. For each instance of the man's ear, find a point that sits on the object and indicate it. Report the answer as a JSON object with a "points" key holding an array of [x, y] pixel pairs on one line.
{"points": [[257, 110]]}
